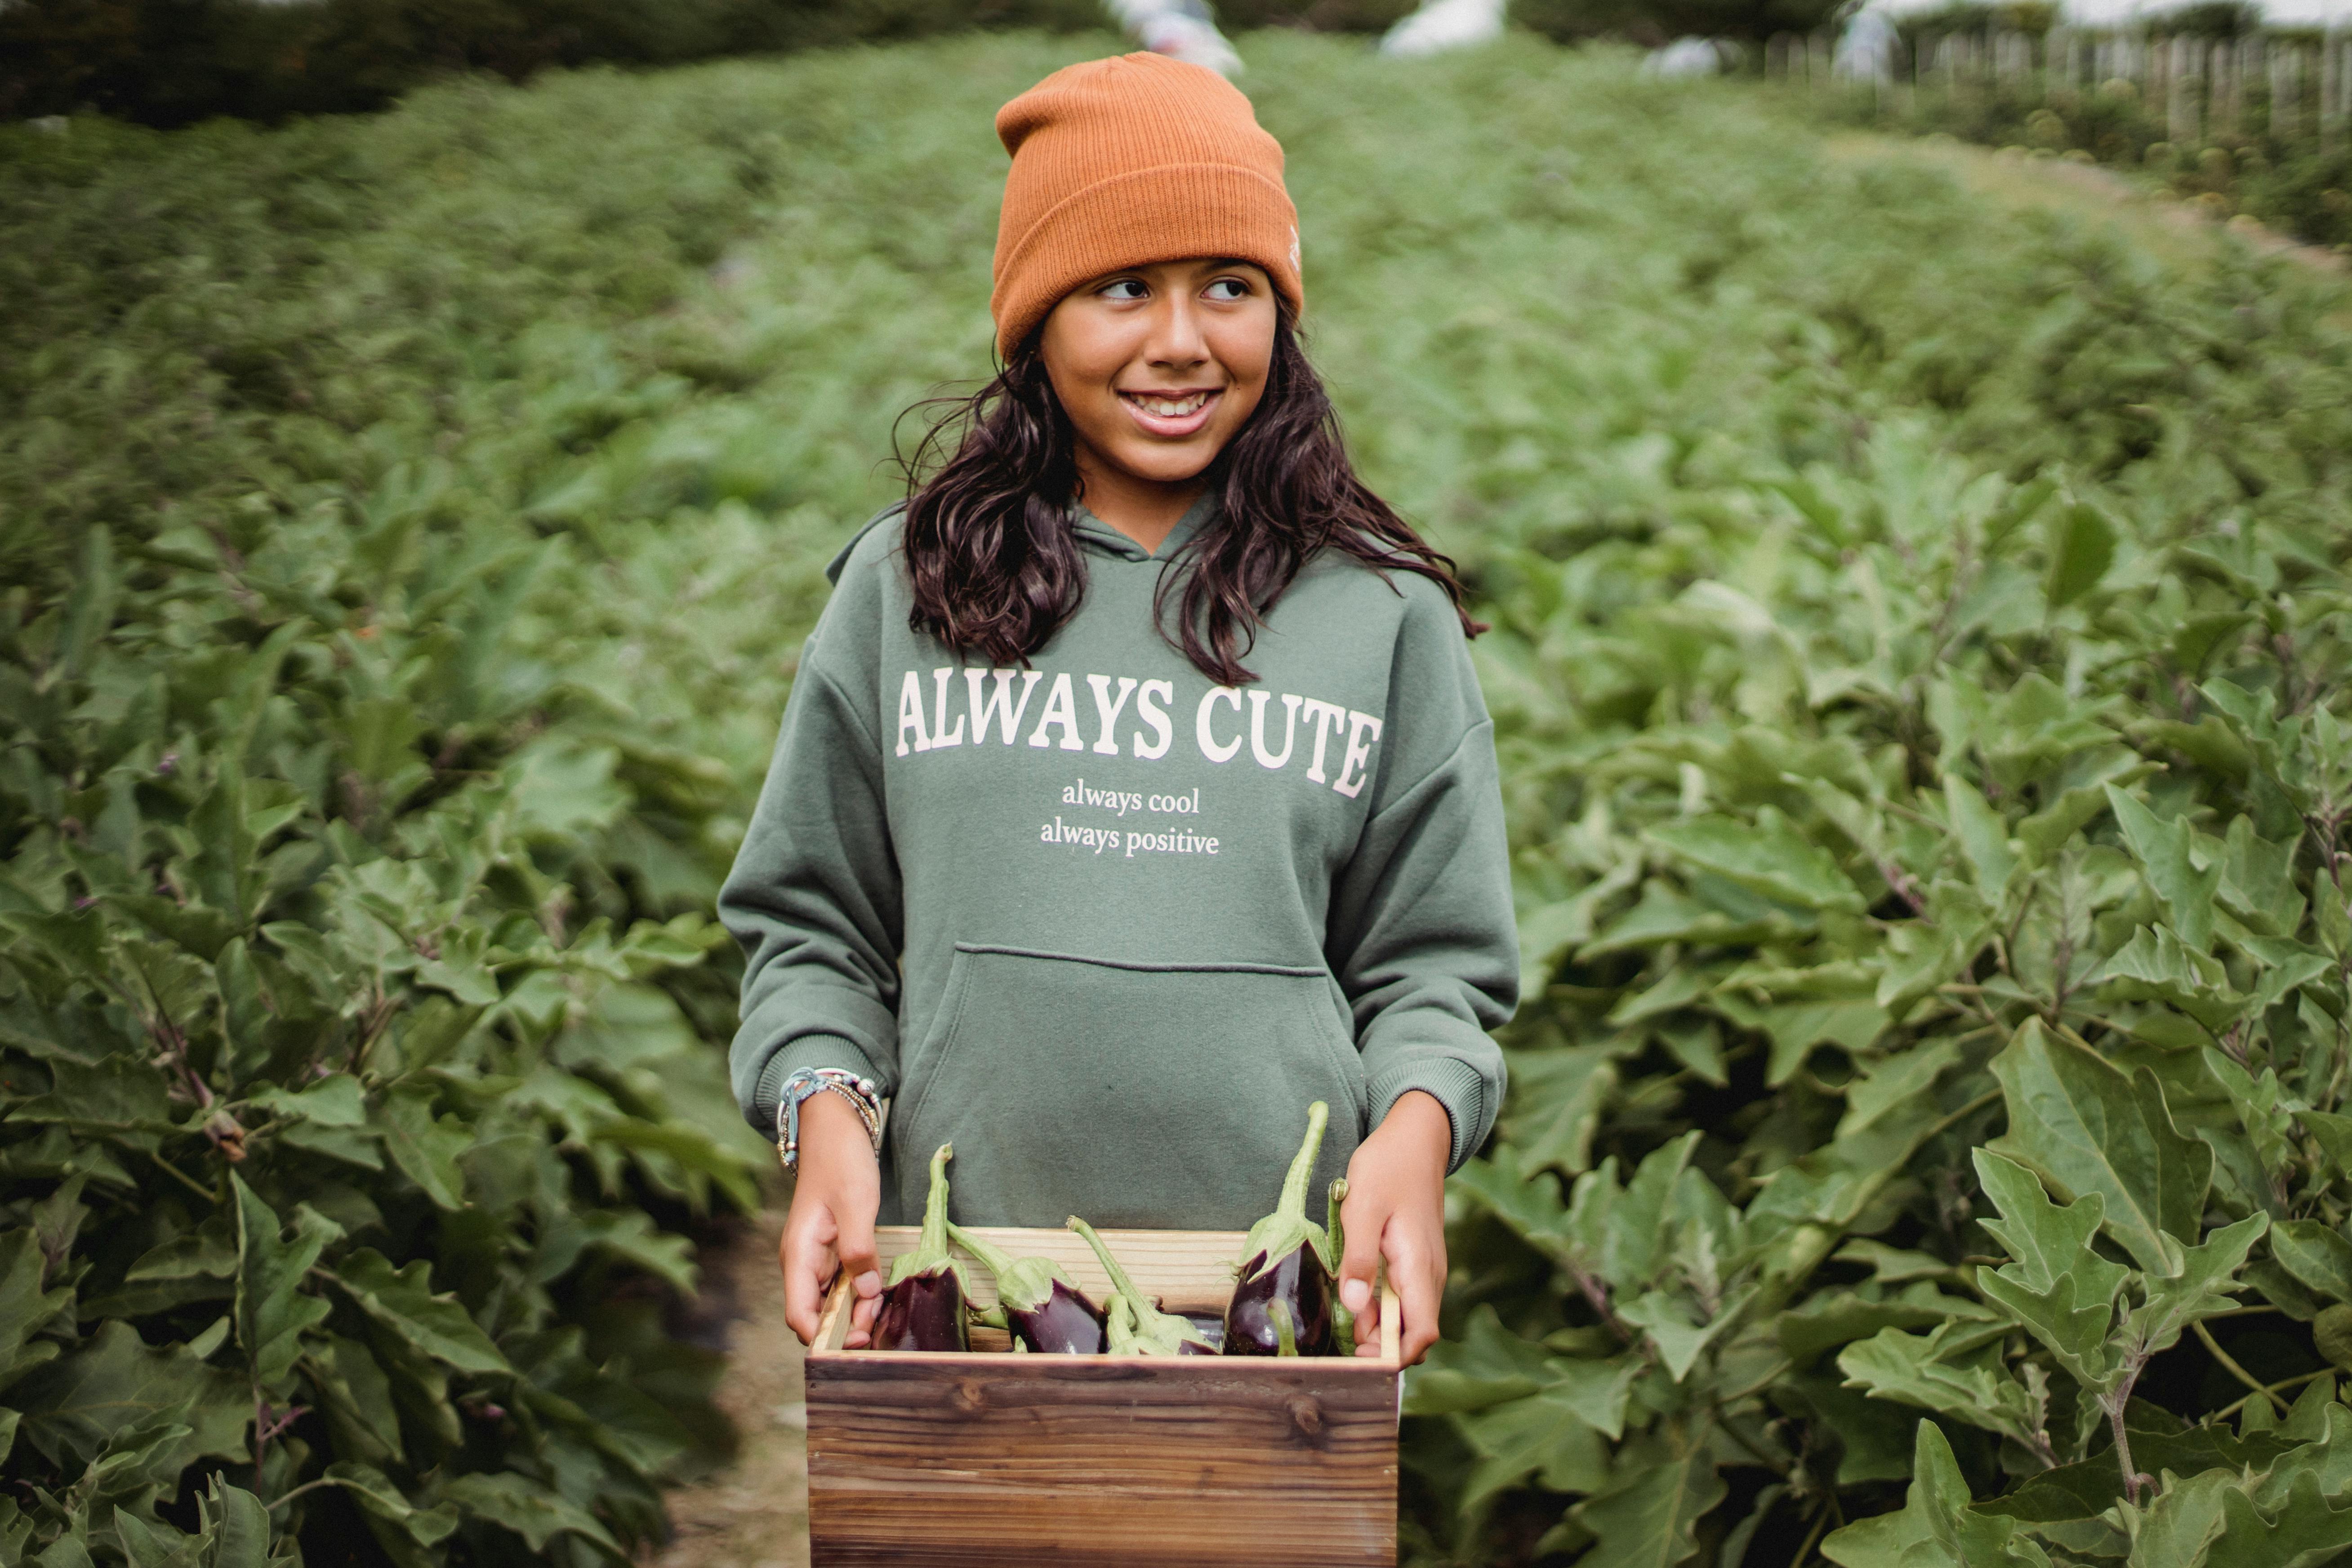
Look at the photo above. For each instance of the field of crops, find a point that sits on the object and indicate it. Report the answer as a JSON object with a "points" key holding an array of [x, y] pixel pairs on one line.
{"points": [[1920, 665]]}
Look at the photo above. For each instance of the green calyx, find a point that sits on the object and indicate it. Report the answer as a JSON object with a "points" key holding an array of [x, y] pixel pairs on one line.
{"points": [[931, 1254], [1287, 1228], [1135, 1326], [1024, 1284]]}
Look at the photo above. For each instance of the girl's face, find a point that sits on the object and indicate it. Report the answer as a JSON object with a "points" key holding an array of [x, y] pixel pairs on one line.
{"points": [[1160, 366]]}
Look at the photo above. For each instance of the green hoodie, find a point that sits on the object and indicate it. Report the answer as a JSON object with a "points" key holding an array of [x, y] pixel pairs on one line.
{"points": [[1111, 928]]}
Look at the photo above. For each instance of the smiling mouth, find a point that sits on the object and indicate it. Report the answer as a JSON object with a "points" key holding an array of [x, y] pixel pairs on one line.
{"points": [[1167, 405]]}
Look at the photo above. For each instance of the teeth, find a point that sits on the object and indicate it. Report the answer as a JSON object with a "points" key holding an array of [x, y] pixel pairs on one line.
{"points": [[1169, 408]]}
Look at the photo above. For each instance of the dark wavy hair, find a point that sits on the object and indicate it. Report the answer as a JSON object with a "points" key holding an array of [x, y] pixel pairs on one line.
{"points": [[997, 569]]}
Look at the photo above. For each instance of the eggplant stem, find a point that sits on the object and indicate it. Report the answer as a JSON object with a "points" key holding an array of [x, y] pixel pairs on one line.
{"points": [[1119, 1283], [995, 1257], [1285, 1335], [934, 1203], [1302, 1169], [931, 1252]]}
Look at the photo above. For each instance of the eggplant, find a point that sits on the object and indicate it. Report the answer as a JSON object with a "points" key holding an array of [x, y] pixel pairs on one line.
{"points": [[923, 1305], [1043, 1310], [1287, 1263], [1137, 1326]]}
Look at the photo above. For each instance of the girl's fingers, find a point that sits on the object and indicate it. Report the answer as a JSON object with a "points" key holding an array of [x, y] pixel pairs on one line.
{"points": [[863, 1310], [1418, 1288], [1359, 1261], [808, 1267], [854, 1245]]}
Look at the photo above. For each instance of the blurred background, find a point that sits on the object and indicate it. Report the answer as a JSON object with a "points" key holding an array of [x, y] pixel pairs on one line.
{"points": [[423, 428]]}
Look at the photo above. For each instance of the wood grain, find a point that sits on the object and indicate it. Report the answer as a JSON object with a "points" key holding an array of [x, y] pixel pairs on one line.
{"points": [[1160, 1462]]}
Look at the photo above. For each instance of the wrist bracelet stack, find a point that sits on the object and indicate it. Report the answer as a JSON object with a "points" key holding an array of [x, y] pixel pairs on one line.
{"points": [[859, 1092]]}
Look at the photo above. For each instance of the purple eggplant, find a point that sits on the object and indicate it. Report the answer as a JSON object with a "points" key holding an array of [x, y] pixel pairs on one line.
{"points": [[1137, 1326], [923, 1305], [1282, 1304], [1043, 1309]]}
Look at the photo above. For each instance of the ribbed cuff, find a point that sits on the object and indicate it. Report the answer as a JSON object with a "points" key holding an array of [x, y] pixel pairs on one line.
{"points": [[1454, 1084], [807, 1051]]}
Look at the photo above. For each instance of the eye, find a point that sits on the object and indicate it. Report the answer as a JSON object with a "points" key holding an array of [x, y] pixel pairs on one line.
{"points": [[1124, 288], [1227, 290]]}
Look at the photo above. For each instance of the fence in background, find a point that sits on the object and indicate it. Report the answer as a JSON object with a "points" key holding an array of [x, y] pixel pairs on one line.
{"points": [[2292, 88]]}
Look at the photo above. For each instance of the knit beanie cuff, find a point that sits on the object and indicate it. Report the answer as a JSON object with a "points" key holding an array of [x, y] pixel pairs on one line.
{"points": [[1173, 213]]}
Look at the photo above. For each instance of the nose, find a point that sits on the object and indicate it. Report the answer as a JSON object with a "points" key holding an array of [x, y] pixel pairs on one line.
{"points": [[1176, 340]]}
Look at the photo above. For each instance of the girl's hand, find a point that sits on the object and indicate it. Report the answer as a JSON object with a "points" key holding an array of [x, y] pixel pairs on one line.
{"points": [[1395, 1209], [831, 1226]]}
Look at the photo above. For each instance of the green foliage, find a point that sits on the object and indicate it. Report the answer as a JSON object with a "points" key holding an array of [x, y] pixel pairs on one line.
{"points": [[1926, 737], [1918, 669], [359, 1089], [173, 63]]}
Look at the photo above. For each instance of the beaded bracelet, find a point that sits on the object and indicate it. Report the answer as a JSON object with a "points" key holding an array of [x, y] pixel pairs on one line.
{"points": [[859, 1092]]}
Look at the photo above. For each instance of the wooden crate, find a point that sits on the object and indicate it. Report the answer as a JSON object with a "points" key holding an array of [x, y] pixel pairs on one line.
{"points": [[1170, 1462]]}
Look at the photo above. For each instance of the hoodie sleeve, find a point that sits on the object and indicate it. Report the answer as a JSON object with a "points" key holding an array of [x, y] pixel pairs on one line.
{"points": [[814, 897], [1422, 933]]}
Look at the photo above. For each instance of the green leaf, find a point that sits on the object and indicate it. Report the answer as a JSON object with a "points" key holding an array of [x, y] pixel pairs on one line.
{"points": [[2317, 1254], [332, 1101], [1954, 1371], [272, 1312], [527, 1508], [2182, 1521], [25, 1308], [1524, 1198], [2164, 850], [356, 1397], [2307, 1530], [1666, 1319], [1983, 837], [402, 1303], [2156, 966], [2058, 1287], [1648, 1517], [1556, 1100], [2081, 1123], [625, 1235], [2081, 548], [1487, 1364], [1937, 1528], [2204, 1284], [1769, 857], [74, 1407], [425, 1149], [409, 1535], [1540, 1435], [1895, 1081], [2333, 1134]]}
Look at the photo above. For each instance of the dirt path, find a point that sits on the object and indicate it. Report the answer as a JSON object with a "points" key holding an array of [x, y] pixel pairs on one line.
{"points": [[755, 1514]]}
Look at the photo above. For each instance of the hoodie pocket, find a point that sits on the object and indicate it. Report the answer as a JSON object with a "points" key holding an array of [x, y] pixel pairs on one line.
{"points": [[1169, 1095]]}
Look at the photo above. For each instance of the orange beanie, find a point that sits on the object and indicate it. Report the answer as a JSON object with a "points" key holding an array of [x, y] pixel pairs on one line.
{"points": [[1121, 162]]}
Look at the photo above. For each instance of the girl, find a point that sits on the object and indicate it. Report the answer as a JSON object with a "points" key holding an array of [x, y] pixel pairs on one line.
{"points": [[1135, 790]]}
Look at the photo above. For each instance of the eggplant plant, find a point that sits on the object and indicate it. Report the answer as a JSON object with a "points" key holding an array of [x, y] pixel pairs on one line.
{"points": [[1043, 1310], [923, 1307], [1136, 1325], [1283, 1302]]}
